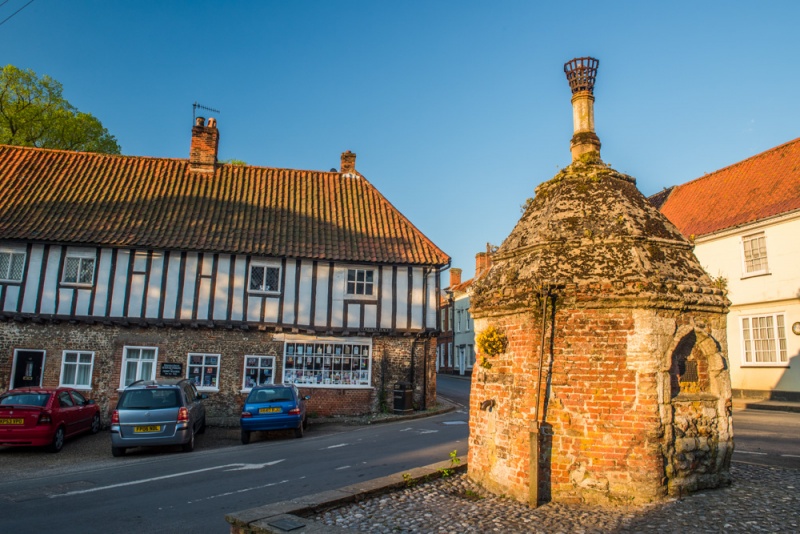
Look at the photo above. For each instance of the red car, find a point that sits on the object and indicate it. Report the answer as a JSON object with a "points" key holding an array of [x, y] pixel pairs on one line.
{"points": [[41, 417]]}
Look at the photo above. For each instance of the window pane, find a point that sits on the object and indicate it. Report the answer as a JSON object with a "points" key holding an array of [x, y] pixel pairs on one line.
{"points": [[5, 262], [256, 278], [71, 270], [87, 271], [148, 354], [146, 371], [271, 283], [17, 265], [83, 375], [69, 374], [130, 372]]}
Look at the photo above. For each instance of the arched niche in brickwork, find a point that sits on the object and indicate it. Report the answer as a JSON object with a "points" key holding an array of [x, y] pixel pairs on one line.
{"points": [[698, 434], [695, 364]]}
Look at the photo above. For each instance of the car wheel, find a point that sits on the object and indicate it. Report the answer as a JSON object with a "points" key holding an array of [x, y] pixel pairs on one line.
{"points": [[298, 432], [96, 424], [117, 451], [245, 437], [58, 440], [202, 427], [189, 445]]}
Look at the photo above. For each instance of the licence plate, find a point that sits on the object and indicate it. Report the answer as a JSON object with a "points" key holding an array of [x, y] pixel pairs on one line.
{"points": [[151, 428], [269, 410], [14, 421]]}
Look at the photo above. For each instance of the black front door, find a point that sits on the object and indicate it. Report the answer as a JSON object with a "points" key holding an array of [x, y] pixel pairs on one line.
{"points": [[27, 368]]}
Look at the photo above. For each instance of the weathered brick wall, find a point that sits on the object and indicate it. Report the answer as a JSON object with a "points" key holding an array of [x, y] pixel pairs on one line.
{"points": [[391, 363], [607, 433]]}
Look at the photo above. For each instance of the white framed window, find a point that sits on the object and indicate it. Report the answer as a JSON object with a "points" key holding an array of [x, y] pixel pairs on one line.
{"points": [[78, 269], [203, 370], [12, 264], [258, 370], [332, 363], [764, 340], [360, 282], [138, 363], [459, 313], [264, 277], [755, 254], [76, 369]]}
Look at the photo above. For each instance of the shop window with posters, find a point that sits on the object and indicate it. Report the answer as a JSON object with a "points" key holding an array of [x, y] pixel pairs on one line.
{"points": [[258, 370], [328, 363], [203, 370]]}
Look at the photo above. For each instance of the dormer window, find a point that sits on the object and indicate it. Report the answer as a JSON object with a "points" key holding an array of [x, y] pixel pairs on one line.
{"points": [[264, 278]]}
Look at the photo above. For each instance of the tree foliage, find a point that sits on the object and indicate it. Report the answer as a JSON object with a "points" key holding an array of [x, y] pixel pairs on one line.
{"points": [[33, 112]]}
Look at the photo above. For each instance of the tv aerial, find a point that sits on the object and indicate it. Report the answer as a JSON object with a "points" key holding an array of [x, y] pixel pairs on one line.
{"points": [[197, 106]]}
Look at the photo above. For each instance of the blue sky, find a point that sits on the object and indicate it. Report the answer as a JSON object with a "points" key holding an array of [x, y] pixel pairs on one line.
{"points": [[457, 109]]}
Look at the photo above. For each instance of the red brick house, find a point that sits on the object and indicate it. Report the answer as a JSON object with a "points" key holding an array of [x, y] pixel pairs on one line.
{"points": [[117, 268]]}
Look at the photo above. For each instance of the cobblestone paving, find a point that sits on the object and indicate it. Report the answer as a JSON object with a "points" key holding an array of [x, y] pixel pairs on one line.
{"points": [[761, 499]]}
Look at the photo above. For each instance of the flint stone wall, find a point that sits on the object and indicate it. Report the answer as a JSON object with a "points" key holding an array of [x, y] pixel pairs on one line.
{"points": [[391, 363]]}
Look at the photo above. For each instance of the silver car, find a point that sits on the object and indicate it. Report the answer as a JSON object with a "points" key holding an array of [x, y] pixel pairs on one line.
{"points": [[152, 413]]}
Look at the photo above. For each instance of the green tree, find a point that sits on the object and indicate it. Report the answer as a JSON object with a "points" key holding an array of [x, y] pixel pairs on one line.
{"points": [[33, 112]]}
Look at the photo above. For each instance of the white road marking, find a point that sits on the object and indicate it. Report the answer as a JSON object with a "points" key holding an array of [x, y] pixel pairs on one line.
{"points": [[791, 455], [243, 490], [337, 446], [428, 431], [343, 467], [454, 422], [749, 452], [145, 480], [248, 467], [406, 429]]}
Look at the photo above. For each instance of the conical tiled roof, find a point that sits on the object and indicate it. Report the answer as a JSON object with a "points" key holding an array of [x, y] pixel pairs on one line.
{"points": [[126, 201], [590, 228]]}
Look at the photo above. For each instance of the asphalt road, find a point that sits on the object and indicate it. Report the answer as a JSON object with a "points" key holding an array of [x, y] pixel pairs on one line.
{"points": [[765, 437], [84, 489], [192, 492]]}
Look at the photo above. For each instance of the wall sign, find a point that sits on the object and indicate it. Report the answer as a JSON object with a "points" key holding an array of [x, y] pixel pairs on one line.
{"points": [[172, 369]]}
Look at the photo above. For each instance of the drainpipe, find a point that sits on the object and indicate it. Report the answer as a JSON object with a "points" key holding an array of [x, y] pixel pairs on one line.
{"points": [[533, 489], [424, 403]]}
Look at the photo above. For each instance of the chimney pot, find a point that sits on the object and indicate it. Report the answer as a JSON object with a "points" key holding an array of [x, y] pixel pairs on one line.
{"points": [[348, 162]]}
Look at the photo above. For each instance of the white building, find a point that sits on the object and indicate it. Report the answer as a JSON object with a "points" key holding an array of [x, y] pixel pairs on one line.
{"points": [[745, 222]]}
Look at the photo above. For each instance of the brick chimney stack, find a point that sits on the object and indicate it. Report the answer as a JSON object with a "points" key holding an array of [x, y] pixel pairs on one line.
{"points": [[455, 277], [483, 261], [581, 73], [205, 141], [348, 162]]}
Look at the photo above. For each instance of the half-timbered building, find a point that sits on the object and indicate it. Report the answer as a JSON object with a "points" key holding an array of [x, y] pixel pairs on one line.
{"points": [[119, 268]]}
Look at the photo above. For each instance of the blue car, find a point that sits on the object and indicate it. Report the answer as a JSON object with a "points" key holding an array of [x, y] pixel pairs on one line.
{"points": [[274, 407]]}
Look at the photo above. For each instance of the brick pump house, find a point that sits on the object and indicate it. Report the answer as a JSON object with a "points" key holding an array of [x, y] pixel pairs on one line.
{"points": [[611, 385], [119, 268]]}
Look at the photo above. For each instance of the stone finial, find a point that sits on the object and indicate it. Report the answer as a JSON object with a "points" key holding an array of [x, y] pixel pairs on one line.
{"points": [[581, 73]]}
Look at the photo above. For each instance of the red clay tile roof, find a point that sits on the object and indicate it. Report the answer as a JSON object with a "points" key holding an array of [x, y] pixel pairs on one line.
{"points": [[140, 202], [762, 186]]}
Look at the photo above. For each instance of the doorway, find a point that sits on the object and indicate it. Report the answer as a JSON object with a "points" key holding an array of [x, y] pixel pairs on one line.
{"points": [[27, 368]]}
